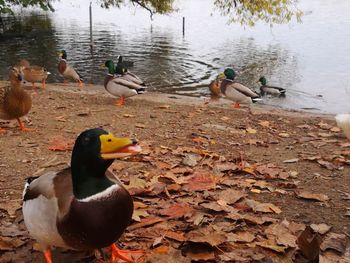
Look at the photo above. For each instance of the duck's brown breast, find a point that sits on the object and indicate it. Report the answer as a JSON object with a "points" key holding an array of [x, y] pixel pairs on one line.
{"points": [[97, 223], [17, 103]]}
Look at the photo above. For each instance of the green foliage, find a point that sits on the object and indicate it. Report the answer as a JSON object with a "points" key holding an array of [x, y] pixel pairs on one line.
{"points": [[248, 12], [5, 5], [245, 12]]}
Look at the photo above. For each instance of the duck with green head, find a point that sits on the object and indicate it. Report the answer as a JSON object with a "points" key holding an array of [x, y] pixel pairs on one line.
{"points": [[270, 90], [235, 91], [85, 206], [121, 70], [120, 85], [67, 71]]}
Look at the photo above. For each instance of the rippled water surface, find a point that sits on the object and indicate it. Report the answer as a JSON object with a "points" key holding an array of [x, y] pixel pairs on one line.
{"points": [[311, 60]]}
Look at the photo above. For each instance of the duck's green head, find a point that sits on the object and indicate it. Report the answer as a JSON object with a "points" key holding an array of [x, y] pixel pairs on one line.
{"points": [[62, 54], [110, 65], [93, 152], [230, 73], [263, 81]]}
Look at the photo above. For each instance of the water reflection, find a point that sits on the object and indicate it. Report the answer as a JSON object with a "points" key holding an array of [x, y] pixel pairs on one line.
{"points": [[171, 62]]}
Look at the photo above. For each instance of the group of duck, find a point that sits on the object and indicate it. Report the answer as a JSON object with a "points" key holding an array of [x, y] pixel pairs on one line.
{"points": [[226, 85], [15, 102], [85, 206]]}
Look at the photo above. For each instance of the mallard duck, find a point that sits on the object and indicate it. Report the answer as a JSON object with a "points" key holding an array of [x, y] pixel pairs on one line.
{"points": [[121, 69], [271, 90], [66, 70], [15, 102], [235, 91], [34, 73], [343, 121], [120, 85], [83, 207]]}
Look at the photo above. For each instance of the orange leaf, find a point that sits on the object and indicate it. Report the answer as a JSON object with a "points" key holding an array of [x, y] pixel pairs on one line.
{"points": [[177, 210]]}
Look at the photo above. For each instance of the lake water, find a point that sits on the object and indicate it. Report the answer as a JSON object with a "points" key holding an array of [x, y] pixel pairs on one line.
{"points": [[310, 59]]}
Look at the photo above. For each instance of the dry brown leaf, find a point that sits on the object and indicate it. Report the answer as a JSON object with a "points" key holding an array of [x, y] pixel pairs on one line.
{"points": [[164, 106], [230, 196], [128, 116], [282, 234], [309, 244], [140, 125], [7, 243], [284, 135], [271, 244], [11, 231], [201, 255], [216, 207], [242, 255], [262, 207], [327, 165], [175, 236], [241, 237], [137, 214], [200, 181], [59, 143], [146, 222], [251, 131], [177, 210], [206, 236], [320, 228], [335, 129], [265, 124], [164, 254], [311, 196], [11, 206], [334, 241]]}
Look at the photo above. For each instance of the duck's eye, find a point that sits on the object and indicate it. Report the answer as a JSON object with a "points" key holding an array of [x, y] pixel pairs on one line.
{"points": [[86, 140], [109, 140]]}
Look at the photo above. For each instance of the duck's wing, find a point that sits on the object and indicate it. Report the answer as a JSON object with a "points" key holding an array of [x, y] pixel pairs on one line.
{"points": [[46, 200], [244, 90], [126, 82], [52, 185], [134, 78]]}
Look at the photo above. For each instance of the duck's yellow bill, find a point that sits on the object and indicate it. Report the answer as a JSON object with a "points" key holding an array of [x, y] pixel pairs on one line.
{"points": [[114, 148]]}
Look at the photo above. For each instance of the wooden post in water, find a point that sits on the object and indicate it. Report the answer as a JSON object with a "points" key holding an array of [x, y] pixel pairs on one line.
{"points": [[90, 16], [183, 26]]}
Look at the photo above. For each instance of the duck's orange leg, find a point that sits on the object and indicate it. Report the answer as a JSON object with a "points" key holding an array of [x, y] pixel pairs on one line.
{"points": [[21, 126], [48, 255], [122, 254], [120, 102], [80, 83], [43, 85], [236, 105]]}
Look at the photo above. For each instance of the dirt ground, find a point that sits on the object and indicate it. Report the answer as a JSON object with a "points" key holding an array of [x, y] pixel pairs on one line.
{"points": [[285, 168]]}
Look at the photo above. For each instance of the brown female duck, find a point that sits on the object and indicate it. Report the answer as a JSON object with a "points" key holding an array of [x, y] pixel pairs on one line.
{"points": [[15, 102], [34, 73]]}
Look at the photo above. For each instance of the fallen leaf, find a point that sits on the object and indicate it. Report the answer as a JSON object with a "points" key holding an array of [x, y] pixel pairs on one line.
{"points": [[230, 196], [262, 207], [140, 125], [265, 124], [203, 255], [271, 244], [246, 255], [294, 160], [282, 234], [146, 222], [241, 237], [177, 210], [191, 159], [309, 244], [59, 143], [251, 131], [327, 165], [137, 214], [320, 228], [128, 116], [206, 236], [335, 129], [311, 196], [284, 135], [216, 207], [11, 231], [334, 241], [164, 107], [11, 206], [175, 236], [7, 243], [164, 254], [200, 181]]}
